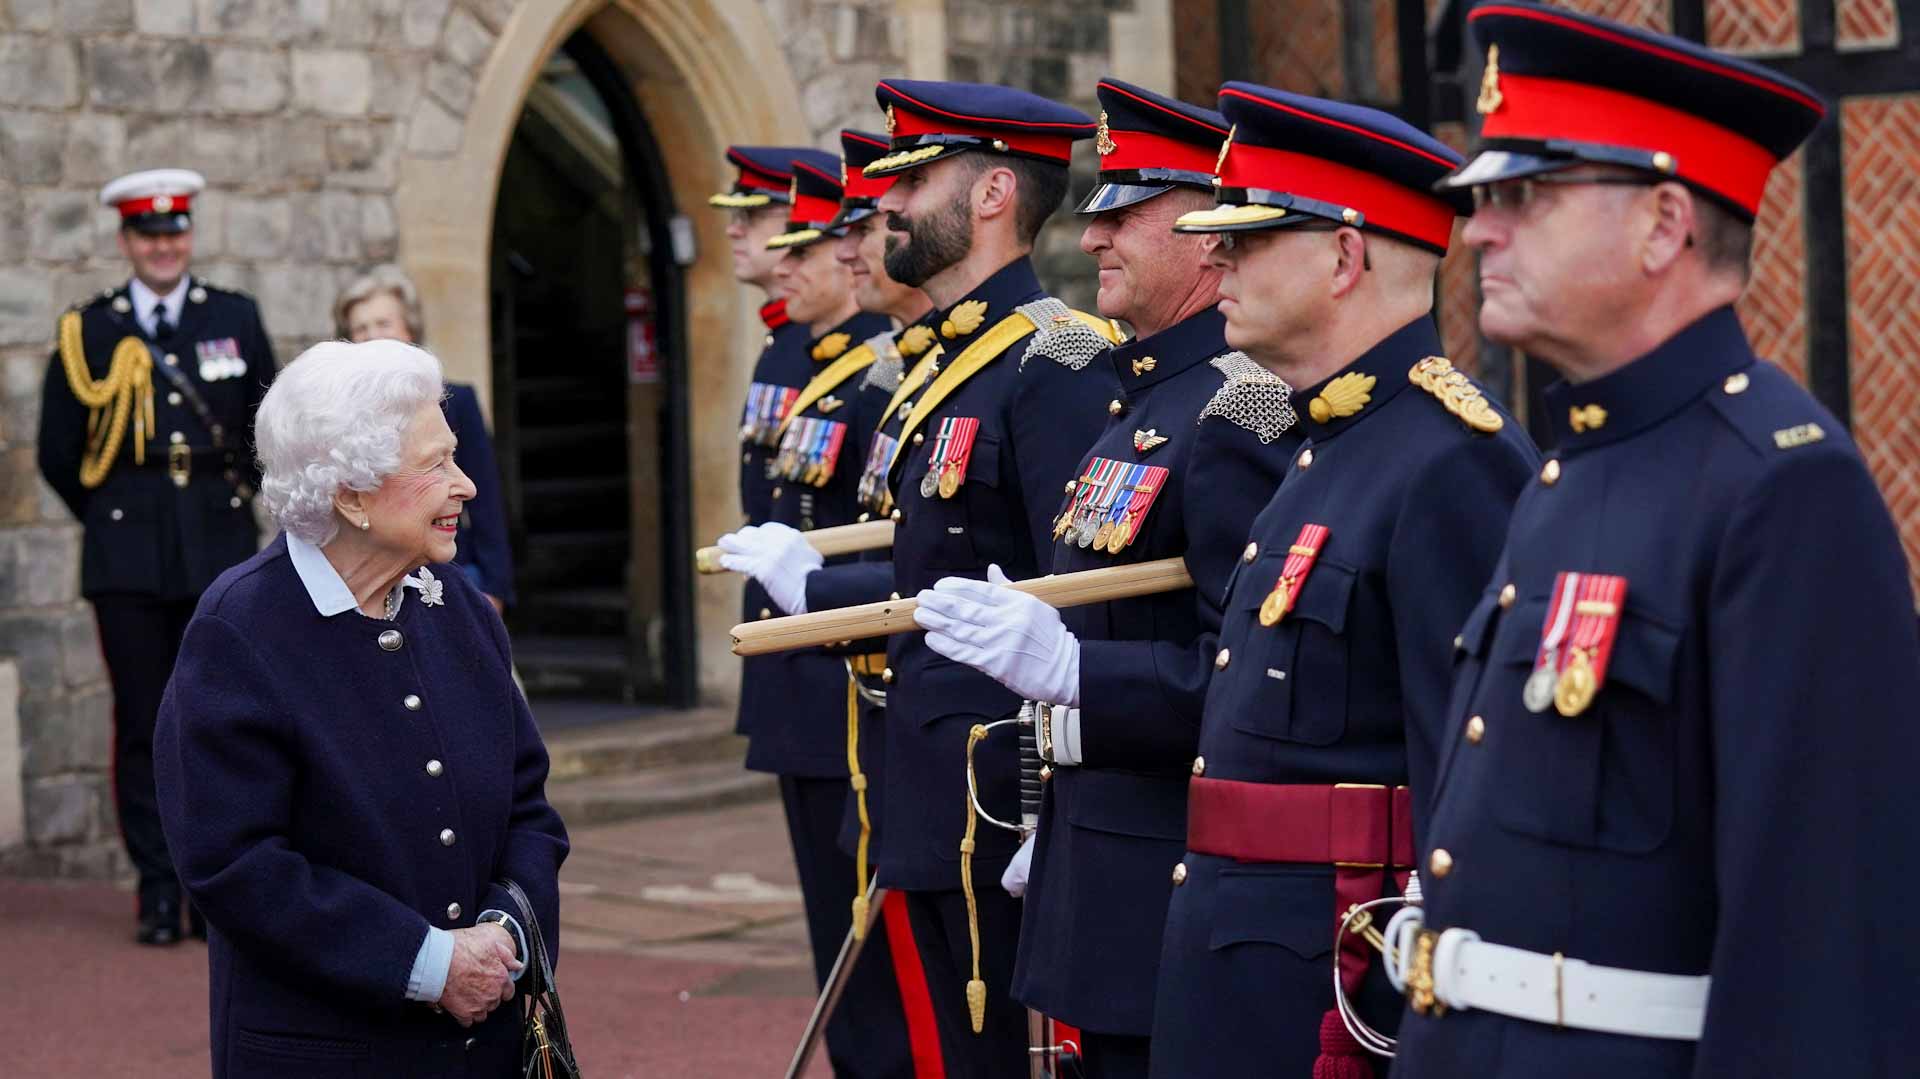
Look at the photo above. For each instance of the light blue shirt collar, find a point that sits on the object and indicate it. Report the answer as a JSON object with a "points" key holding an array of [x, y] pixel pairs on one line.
{"points": [[324, 585]]}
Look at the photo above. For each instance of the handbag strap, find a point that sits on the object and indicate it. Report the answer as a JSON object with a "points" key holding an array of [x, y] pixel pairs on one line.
{"points": [[545, 994]]}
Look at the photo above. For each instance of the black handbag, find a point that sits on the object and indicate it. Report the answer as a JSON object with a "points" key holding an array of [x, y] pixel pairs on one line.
{"points": [[545, 1050]]}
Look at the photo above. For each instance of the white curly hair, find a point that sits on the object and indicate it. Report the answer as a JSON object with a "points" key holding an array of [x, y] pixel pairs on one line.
{"points": [[336, 417]]}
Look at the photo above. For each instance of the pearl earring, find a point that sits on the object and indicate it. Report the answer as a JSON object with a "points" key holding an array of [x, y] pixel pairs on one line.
{"points": [[365, 524]]}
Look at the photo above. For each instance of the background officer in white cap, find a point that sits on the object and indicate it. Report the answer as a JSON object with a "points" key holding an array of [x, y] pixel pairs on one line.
{"points": [[145, 431]]}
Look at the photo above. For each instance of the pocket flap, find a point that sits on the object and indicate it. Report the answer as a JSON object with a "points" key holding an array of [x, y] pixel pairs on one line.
{"points": [[1149, 807], [1323, 598], [983, 463], [955, 689], [1284, 905], [1644, 651]]}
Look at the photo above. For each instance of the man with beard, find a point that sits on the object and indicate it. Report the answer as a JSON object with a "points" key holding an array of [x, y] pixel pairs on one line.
{"points": [[1201, 439], [1678, 773], [1012, 406], [1324, 706]]}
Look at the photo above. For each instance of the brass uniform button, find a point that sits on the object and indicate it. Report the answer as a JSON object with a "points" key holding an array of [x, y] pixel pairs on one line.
{"points": [[1115, 407], [1306, 459], [1550, 474], [1439, 863], [234, 502], [766, 612], [886, 675], [390, 640], [1252, 552], [863, 517], [435, 769], [1476, 730], [447, 837], [117, 513], [453, 912], [895, 516], [1179, 874], [177, 438], [1220, 661], [893, 595], [1736, 383], [746, 457], [1199, 766], [1507, 594], [1458, 641], [919, 437], [173, 398], [411, 702], [768, 341], [777, 492]]}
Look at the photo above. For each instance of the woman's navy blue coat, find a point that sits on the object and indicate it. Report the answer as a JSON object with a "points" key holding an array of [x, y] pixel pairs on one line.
{"points": [[292, 758]]}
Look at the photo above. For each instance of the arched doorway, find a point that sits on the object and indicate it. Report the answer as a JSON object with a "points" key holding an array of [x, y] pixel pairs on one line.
{"points": [[589, 395]]}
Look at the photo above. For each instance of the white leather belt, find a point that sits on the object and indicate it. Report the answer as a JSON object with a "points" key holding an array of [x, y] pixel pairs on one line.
{"points": [[1456, 969]]}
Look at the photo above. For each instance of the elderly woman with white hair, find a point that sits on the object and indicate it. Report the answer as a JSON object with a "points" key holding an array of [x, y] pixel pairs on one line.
{"points": [[346, 773]]}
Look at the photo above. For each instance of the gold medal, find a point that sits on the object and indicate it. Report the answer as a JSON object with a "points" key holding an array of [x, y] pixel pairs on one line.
{"points": [[950, 480], [1274, 607], [1101, 535], [1122, 535], [1576, 687]]}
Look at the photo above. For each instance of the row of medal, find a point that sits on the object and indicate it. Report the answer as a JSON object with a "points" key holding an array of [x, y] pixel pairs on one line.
{"points": [[1576, 642], [872, 491], [1106, 505], [808, 451], [947, 464], [767, 408]]}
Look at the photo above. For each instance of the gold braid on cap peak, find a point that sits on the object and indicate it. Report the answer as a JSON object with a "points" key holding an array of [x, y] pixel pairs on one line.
{"points": [[904, 157], [127, 389]]}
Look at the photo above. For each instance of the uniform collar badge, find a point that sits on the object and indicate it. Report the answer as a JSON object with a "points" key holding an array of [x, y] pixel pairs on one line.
{"points": [[1583, 418], [1143, 365], [964, 319], [1342, 397], [831, 346]]}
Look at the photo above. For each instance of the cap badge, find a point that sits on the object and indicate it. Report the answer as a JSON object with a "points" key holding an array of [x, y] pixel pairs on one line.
{"points": [[1144, 364], [1147, 441], [964, 319], [1344, 396], [1456, 391], [162, 204], [889, 121], [1220, 163], [1103, 136], [1490, 95], [1586, 418]]}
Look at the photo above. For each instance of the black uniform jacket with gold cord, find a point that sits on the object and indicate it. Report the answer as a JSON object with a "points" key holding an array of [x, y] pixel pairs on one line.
{"points": [[1733, 796], [814, 467], [1404, 493], [1021, 420], [147, 532], [1109, 828]]}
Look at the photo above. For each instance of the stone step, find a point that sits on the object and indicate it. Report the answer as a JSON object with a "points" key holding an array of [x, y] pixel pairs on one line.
{"points": [[660, 741], [659, 791]]}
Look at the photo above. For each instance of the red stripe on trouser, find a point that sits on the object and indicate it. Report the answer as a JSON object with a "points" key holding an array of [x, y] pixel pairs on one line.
{"points": [[923, 1037]]}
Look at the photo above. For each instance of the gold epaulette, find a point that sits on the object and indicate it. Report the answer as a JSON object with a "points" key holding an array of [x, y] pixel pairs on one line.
{"points": [[1456, 391]]}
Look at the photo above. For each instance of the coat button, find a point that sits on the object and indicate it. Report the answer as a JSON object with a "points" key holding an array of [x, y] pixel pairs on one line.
{"points": [[390, 640], [234, 502], [895, 516], [411, 702], [446, 837], [1476, 730], [1507, 594], [1306, 459], [1220, 661], [177, 438], [862, 519], [919, 437], [117, 513], [1459, 642], [1199, 766], [171, 360], [453, 912], [1736, 382], [1179, 874], [893, 595], [777, 492], [1116, 407], [173, 399], [1550, 474], [1439, 863], [768, 343], [887, 675], [746, 457], [1252, 552], [766, 612], [435, 768]]}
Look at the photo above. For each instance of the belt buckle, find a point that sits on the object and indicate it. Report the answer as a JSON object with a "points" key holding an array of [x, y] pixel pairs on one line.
{"points": [[179, 463], [1420, 978]]}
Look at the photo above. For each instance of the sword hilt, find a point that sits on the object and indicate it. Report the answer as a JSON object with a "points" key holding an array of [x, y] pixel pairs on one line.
{"points": [[1030, 766]]}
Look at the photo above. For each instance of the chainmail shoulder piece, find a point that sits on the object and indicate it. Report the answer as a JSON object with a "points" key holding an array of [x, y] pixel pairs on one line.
{"points": [[887, 371], [1060, 336], [1253, 397]]}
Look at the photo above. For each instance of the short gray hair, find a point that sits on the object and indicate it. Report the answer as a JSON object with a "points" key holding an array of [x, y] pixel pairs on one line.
{"points": [[390, 279], [337, 417]]}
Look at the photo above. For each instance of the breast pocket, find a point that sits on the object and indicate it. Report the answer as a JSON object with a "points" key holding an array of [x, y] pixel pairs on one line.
{"points": [[1602, 779], [973, 523], [1301, 661], [1285, 905]]}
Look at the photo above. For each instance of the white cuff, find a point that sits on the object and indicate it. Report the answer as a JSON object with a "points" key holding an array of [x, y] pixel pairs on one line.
{"points": [[1066, 734]]}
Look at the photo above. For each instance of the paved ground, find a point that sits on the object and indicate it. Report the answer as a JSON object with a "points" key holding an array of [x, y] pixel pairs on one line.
{"points": [[683, 955]]}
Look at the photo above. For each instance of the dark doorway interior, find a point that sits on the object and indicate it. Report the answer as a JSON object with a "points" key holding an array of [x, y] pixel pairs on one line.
{"points": [[588, 399]]}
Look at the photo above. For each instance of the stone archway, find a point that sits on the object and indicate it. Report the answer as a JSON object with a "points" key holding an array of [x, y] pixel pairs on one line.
{"points": [[705, 73]]}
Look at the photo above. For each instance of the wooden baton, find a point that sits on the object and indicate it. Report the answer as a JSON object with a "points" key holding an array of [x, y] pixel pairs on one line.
{"points": [[896, 615], [840, 539]]}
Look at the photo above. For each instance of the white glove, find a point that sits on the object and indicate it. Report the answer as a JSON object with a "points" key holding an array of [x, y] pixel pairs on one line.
{"points": [[1014, 880], [777, 556], [1008, 636]]}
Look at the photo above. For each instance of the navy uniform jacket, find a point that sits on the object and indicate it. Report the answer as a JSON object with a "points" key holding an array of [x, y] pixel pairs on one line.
{"points": [[1035, 422], [1111, 826], [295, 764], [1739, 797], [482, 545], [806, 733], [1349, 687], [143, 534]]}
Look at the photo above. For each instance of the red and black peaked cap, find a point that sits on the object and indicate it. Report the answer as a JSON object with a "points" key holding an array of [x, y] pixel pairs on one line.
{"points": [[1561, 89], [816, 195], [858, 149], [1291, 160], [765, 176], [1149, 143], [932, 121]]}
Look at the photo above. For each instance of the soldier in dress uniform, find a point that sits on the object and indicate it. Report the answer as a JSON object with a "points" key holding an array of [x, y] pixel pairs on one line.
{"points": [[1324, 705], [145, 432], [815, 470], [1677, 777], [1195, 443], [1010, 406]]}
